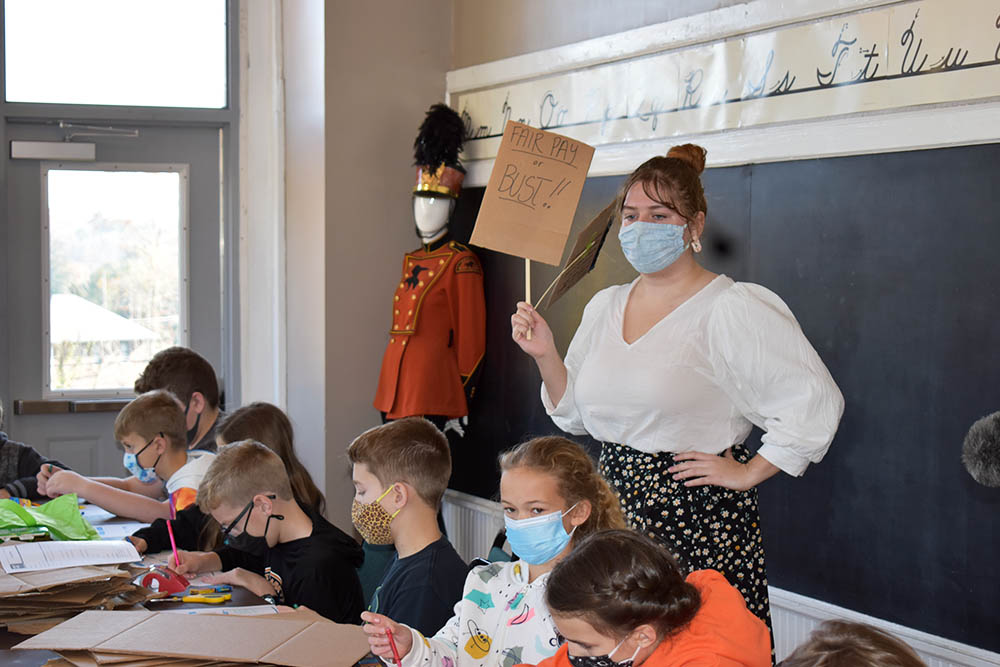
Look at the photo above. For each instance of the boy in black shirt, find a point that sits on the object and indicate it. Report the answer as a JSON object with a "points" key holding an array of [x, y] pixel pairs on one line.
{"points": [[401, 471], [306, 560]]}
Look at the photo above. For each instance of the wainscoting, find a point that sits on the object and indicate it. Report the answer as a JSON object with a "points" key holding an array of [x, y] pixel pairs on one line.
{"points": [[473, 523]]}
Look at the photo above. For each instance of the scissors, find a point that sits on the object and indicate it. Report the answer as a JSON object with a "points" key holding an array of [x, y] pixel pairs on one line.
{"points": [[210, 590]]}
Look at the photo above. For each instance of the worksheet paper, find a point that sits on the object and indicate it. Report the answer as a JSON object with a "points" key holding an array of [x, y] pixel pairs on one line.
{"points": [[118, 531], [52, 555]]}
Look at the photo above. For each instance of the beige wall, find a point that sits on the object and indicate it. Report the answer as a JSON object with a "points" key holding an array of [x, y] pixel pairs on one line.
{"points": [[488, 30], [358, 78], [384, 68]]}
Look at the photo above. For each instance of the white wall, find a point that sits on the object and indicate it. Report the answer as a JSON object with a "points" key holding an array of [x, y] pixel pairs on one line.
{"points": [[305, 229], [262, 205]]}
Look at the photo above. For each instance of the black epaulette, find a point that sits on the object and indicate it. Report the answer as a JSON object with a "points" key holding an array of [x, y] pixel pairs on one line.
{"points": [[458, 246]]}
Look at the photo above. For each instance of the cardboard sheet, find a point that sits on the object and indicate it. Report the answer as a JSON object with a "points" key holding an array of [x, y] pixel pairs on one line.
{"points": [[293, 639], [582, 258], [87, 659], [24, 582], [241, 638], [532, 194], [86, 630], [318, 643]]}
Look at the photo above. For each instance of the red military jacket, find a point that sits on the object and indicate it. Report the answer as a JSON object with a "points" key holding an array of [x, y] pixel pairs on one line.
{"points": [[438, 334]]}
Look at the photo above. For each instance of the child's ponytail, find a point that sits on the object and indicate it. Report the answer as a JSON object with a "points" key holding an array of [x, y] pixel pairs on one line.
{"points": [[576, 475], [618, 580]]}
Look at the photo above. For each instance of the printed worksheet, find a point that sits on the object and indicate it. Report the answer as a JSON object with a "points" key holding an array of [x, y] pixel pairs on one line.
{"points": [[52, 555]]}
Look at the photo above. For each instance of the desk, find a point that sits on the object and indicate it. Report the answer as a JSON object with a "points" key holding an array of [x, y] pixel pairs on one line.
{"points": [[112, 525]]}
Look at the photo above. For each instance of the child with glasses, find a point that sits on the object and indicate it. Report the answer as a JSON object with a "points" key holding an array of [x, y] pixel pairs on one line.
{"points": [[282, 551]]}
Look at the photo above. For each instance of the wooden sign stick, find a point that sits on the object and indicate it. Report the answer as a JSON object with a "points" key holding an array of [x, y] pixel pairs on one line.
{"points": [[527, 288]]}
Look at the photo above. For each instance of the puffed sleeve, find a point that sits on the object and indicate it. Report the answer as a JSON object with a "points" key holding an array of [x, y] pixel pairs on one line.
{"points": [[565, 415], [773, 375]]}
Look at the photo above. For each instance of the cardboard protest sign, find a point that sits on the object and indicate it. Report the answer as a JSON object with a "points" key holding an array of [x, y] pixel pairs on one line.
{"points": [[532, 194], [583, 257]]}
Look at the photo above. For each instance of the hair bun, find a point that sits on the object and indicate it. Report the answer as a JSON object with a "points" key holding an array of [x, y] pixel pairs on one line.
{"points": [[693, 154]]}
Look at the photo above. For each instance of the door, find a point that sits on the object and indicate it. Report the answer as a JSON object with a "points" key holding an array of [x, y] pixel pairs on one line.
{"points": [[37, 264]]}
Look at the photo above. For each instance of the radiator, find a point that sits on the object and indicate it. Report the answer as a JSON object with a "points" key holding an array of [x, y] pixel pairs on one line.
{"points": [[472, 523]]}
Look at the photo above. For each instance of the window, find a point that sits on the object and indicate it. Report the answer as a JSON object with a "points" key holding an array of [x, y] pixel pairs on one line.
{"points": [[114, 237], [169, 53]]}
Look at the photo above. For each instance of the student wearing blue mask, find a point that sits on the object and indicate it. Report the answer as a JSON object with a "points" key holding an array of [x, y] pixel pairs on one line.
{"points": [[552, 497], [151, 431], [671, 372]]}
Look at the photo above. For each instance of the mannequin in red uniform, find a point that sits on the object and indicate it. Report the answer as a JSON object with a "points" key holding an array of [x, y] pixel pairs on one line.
{"points": [[437, 334]]}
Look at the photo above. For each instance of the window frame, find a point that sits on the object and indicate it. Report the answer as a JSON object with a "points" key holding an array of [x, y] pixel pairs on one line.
{"points": [[17, 383], [183, 265]]}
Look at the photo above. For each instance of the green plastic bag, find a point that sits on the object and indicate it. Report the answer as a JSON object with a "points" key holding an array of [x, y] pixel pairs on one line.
{"points": [[61, 516]]}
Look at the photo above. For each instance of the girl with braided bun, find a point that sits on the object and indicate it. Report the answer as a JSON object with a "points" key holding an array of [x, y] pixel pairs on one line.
{"points": [[671, 371], [552, 497], [619, 600]]}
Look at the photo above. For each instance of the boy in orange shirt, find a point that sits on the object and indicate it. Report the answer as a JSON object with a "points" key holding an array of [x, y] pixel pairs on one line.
{"points": [[151, 430]]}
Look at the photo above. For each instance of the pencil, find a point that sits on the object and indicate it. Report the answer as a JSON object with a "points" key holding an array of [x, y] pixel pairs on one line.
{"points": [[173, 545], [170, 530], [392, 645]]}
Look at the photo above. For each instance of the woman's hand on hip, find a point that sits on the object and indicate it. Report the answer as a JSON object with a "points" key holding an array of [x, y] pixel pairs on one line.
{"points": [[701, 469], [526, 319]]}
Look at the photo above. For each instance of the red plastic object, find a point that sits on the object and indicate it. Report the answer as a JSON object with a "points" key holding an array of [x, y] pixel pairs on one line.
{"points": [[164, 580]]}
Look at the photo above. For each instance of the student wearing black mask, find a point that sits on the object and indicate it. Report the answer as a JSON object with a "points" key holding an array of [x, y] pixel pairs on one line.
{"points": [[281, 551], [190, 377]]}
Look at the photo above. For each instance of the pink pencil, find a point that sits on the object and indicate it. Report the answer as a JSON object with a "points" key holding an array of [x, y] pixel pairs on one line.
{"points": [[170, 530]]}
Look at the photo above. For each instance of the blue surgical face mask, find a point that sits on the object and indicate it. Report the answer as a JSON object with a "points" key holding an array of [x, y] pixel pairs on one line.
{"points": [[539, 539], [131, 463], [652, 246]]}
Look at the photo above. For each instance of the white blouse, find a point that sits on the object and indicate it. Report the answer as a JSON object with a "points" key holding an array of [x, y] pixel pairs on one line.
{"points": [[729, 357]]}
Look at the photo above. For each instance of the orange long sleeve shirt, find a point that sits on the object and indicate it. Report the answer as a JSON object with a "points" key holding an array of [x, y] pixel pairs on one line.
{"points": [[722, 634]]}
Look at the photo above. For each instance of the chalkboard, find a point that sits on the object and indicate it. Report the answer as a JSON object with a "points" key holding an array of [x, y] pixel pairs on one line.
{"points": [[891, 263]]}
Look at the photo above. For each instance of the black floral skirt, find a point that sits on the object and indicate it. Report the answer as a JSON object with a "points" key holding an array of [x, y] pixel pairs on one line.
{"points": [[704, 527]]}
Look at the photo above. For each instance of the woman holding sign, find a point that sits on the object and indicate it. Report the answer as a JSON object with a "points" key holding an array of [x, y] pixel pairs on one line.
{"points": [[671, 371]]}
